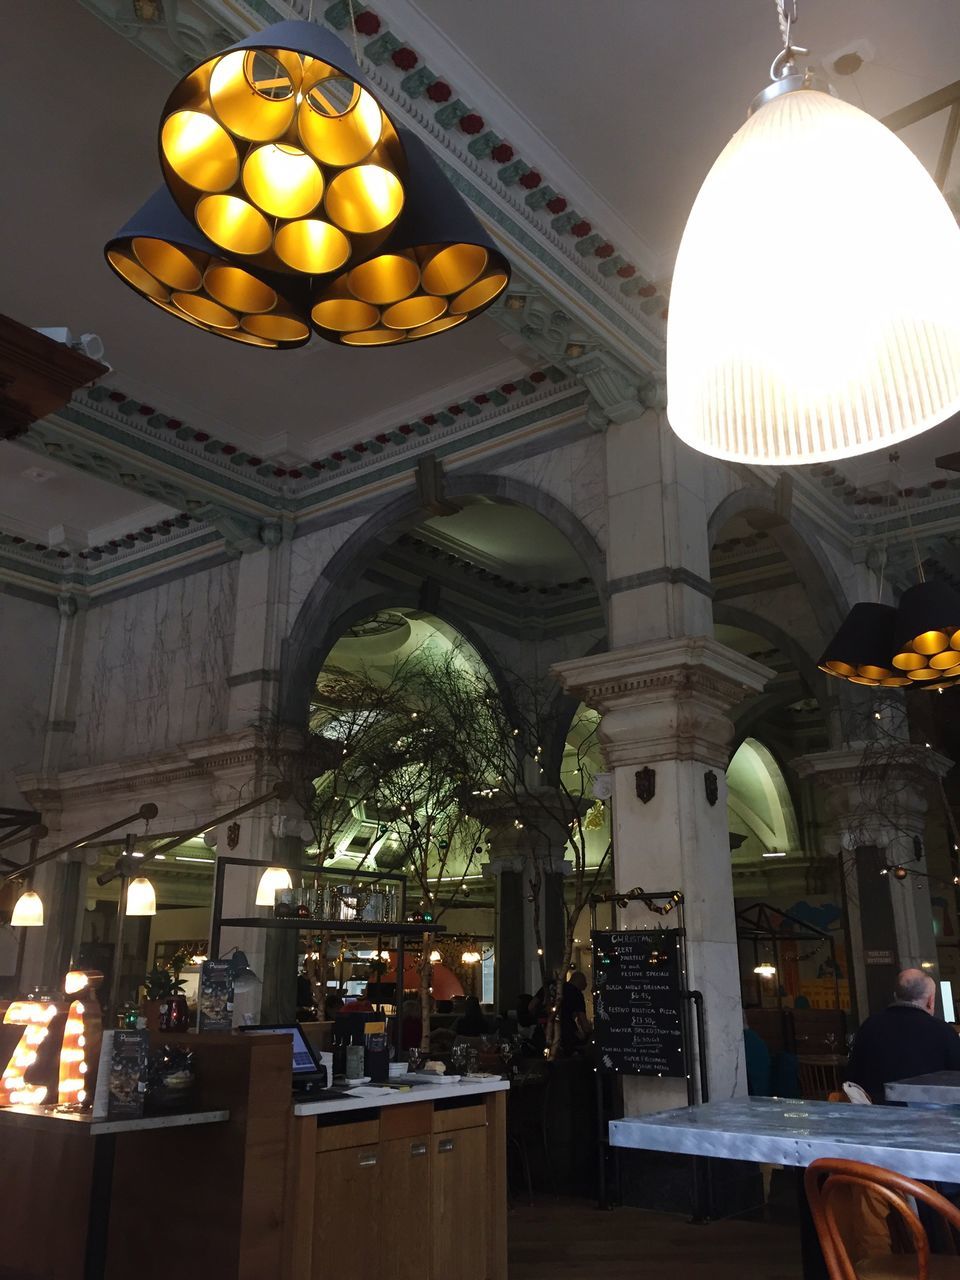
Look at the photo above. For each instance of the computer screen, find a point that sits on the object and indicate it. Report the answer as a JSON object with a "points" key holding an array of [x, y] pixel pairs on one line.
{"points": [[304, 1063]]}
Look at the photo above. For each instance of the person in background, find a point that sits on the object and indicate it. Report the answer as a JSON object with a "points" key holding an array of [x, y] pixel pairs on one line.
{"points": [[575, 1027], [411, 1027], [362, 1004], [906, 1039], [473, 1023], [334, 1004]]}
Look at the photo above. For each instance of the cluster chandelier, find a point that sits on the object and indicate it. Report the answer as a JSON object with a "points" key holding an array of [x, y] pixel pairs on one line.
{"points": [[915, 645], [813, 311], [292, 202]]}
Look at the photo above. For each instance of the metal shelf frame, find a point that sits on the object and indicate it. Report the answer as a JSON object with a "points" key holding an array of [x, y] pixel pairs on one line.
{"points": [[400, 929]]}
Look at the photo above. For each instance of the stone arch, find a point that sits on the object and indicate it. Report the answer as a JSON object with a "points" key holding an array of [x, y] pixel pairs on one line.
{"points": [[309, 641], [797, 540], [404, 597], [759, 794]]}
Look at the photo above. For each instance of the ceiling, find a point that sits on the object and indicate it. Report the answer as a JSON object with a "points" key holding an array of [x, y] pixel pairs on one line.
{"points": [[622, 105], [507, 539], [638, 97]]}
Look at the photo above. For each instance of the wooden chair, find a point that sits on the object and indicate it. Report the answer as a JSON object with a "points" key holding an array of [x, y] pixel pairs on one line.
{"points": [[833, 1185], [820, 1075]]}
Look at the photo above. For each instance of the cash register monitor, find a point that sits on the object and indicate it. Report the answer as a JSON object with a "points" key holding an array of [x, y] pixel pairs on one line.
{"points": [[309, 1075]]}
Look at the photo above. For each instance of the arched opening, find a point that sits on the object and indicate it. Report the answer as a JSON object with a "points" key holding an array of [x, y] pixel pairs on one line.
{"points": [[503, 562]]}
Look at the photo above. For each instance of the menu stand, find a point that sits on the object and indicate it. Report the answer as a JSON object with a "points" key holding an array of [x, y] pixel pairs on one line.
{"points": [[654, 968]]}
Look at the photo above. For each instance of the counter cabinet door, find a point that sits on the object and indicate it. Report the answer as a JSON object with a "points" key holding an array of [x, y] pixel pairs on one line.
{"points": [[346, 1239], [405, 1200], [459, 1227]]}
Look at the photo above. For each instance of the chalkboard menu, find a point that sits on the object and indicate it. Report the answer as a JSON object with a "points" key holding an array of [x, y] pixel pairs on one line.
{"points": [[637, 1009]]}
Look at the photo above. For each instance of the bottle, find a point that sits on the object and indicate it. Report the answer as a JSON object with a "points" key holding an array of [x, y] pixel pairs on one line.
{"points": [[354, 1061]]}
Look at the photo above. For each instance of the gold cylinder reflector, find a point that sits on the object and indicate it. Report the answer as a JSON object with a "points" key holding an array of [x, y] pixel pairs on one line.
{"points": [[208, 292], [410, 294], [279, 155], [282, 180]]}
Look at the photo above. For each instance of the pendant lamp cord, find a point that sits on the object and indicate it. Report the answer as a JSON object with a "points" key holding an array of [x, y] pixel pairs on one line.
{"points": [[893, 459], [353, 30], [910, 529], [785, 60], [786, 16]]}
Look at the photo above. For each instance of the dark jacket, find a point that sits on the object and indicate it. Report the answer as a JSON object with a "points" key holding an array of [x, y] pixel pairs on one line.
{"points": [[901, 1042]]}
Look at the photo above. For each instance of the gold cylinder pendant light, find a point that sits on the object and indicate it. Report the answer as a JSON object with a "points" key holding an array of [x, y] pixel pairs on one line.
{"points": [[813, 309], [926, 635], [438, 269], [279, 154], [862, 650], [165, 259]]}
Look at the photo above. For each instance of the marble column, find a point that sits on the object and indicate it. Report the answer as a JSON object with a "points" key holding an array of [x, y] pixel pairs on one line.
{"points": [[528, 837], [665, 708], [870, 822], [509, 975]]}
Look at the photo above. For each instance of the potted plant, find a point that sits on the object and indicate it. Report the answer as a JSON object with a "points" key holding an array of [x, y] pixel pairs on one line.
{"points": [[165, 1005]]}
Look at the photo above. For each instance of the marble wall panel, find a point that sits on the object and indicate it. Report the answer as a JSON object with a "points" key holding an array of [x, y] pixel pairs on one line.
{"points": [[28, 645], [154, 668], [575, 476]]}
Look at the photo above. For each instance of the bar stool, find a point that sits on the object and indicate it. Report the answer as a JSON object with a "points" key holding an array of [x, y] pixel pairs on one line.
{"points": [[851, 1201]]}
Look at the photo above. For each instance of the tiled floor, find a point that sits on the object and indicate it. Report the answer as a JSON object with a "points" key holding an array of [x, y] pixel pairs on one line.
{"points": [[573, 1240]]}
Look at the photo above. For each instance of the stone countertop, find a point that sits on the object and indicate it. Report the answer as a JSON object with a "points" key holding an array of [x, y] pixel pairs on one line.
{"points": [[365, 1097], [48, 1117], [941, 1087], [919, 1144]]}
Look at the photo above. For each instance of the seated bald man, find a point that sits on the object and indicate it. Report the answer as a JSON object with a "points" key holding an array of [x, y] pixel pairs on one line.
{"points": [[906, 1039]]}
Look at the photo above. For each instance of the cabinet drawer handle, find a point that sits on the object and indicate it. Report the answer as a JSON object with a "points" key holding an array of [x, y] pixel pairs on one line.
{"points": [[446, 1144], [366, 1161], [418, 1148]]}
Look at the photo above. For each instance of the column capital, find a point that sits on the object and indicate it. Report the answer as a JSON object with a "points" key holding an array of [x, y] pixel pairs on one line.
{"points": [[878, 801], [844, 767], [665, 699], [496, 864]]}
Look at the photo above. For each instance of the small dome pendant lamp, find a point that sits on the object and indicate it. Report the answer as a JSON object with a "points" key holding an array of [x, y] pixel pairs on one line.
{"points": [[27, 911], [813, 309], [164, 258], [438, 269], [280, 155]]}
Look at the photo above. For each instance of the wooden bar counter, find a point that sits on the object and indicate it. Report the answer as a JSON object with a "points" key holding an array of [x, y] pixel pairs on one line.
{"points": [[389, 1184], [399, 1185]]}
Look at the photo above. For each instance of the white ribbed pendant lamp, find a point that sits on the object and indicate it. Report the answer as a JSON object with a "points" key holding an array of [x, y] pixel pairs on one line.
{"points": [[815, 305]]}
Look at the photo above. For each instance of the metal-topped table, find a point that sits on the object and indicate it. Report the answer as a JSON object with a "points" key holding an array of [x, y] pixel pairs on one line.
{"points": [[923, 1145], [920, 1144], [940, 1087]]}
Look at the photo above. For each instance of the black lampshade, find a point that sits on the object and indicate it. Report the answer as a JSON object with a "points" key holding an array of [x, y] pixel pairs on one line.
{"points": [[280, 153], [438, 269], [862, 649], [926, 635], [164, 258]]}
